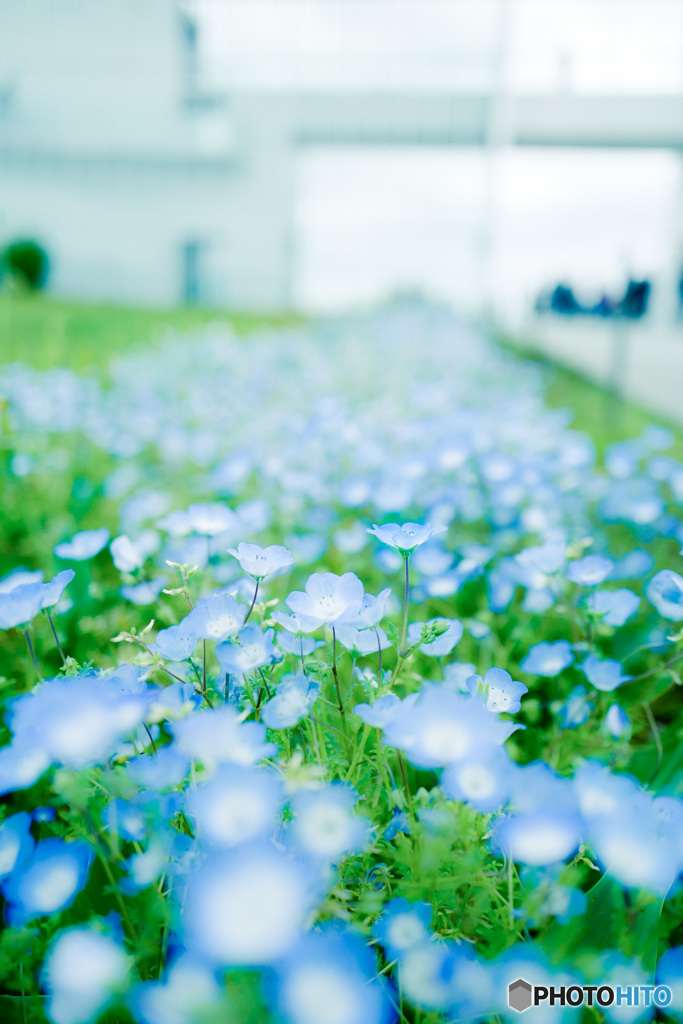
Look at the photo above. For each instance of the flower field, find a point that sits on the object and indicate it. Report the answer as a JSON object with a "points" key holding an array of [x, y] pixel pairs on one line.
{"points": [[340, 685]]}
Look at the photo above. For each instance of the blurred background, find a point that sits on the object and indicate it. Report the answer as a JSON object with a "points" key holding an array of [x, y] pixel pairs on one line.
{"points": [[519, 159]]}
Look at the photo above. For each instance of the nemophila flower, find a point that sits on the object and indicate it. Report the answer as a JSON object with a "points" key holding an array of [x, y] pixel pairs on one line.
{"points": [[129, 555], [173, 701], [85, 969], [217, 735], [211, 519], [670, 973], [328, 600], [123, 818], [590, 571], [481, 780], [432, 560], [544, 559], [545, 826], [235, 805], [636, 850], [575, 710], [16, 842], [77, 721], [379, 713], [326, 825], [617, 721], [371, 611], [407, 537], [52, 590], [548, 659], [84, 545], [262, 563], [665, 592], [247, 906], [402, 925], [330, 977], [143, 593], [252, 649], [615, 607], [19, 578], [632, 566], [145, 867], [296, 695], [165, 769], [604, 673], [498, 690], [299, 646], [439, 727], [215, 618], [440, 645], [189, 991], [362, 641], [456, 674], [177, 643], [426, 973], [22, 762], [49, 881], [20, 605]]}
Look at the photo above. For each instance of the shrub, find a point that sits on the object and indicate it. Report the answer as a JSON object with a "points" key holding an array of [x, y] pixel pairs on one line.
{"points": [[26, 261]]}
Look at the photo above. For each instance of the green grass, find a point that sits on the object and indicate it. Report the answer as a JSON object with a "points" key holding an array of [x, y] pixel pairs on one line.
{"points": [[45, 332]]}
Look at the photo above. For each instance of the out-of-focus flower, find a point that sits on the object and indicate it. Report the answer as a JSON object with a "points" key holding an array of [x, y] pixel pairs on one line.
{"points": [[84, 970], [49, 881], [84, 545], [548, 659], [605, 674], [665, 592]]}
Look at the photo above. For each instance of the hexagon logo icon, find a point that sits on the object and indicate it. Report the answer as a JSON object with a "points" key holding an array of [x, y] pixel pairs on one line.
{"points": [[519, 995]]}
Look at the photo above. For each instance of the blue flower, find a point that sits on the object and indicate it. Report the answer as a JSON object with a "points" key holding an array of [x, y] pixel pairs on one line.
{"points": [[371, 611], [402, 926], [330, 977], [406, 537], [143, 593], [177, 643], [440, 645], [83, 545], [189, 991], [481, 780], [329, 599], [210, 519], [217, 735], [18, 578], [129, 555], [299, 646], [590, 571], [326, 825], [436, 727], [548, 659], [262, 563], [575, 710], [247, 906], [499, 691], [83, 971], [48, 882], [252, 649], [296, 695], [615, 607], [16, 842], [617, 721], [545, 826], [20, 605], [665, 592], [604, 673], [362, 641], [215, 618], [163, 770], [379, 713], [235, 805]]}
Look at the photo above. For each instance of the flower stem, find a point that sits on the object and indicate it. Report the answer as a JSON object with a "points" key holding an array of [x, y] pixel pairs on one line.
{"points": [[251, 606], [54, 633], [338, 689], [33, 655]]}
